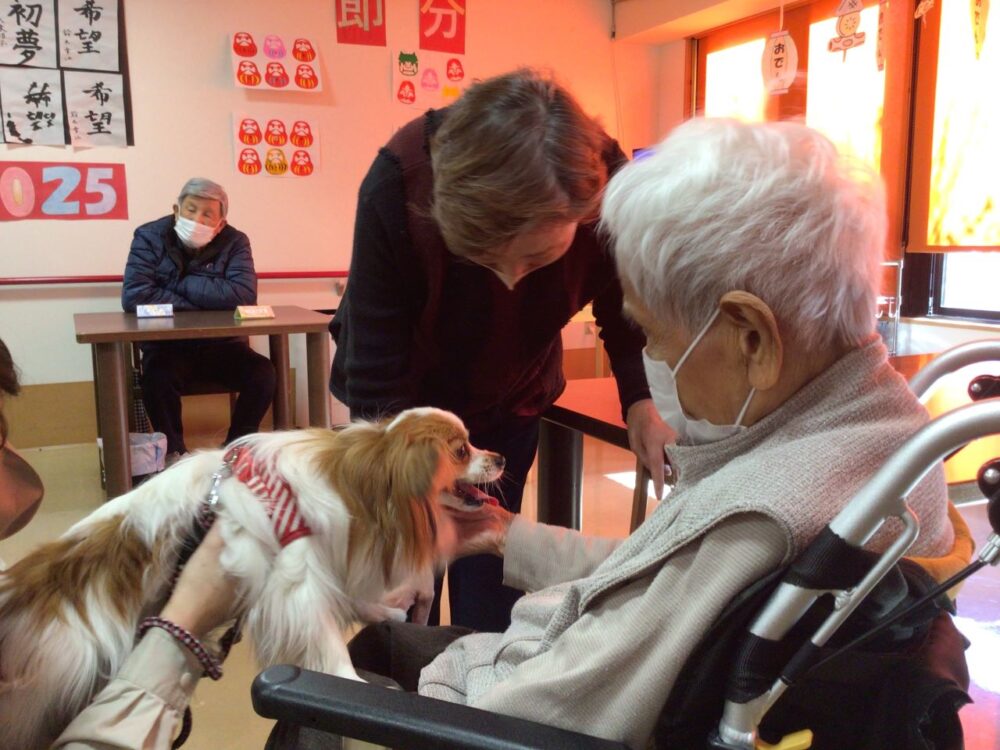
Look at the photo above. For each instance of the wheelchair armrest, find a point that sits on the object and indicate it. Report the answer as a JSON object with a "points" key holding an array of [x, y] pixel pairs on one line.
{"points": [[401, 720]]}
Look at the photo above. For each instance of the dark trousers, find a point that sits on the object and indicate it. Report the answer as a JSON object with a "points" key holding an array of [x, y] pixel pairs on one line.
{"points": [[476, 594], [390, 654], [168, 369]]}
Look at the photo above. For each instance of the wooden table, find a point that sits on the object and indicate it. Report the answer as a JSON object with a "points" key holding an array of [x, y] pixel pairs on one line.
{"points": [[590, 407], [109, 333]]}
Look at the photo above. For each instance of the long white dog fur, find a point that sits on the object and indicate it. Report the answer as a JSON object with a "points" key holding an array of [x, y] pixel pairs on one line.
{"points": [[369, 493]]}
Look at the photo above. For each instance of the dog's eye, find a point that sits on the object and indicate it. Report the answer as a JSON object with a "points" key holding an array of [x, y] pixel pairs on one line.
{"points": [[462, 451]]}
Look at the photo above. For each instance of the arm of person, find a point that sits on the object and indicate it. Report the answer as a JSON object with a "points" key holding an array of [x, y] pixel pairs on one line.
{"points": [[238, 286], [21, 491], [376, 320], [140, 285], [141, 708], [611, 672]]}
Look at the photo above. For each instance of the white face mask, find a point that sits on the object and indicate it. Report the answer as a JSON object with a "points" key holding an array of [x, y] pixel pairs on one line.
{"points": [[193, 234], [663, 388]]}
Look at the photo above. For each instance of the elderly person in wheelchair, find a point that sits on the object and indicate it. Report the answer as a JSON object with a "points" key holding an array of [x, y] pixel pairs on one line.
{"points": [[751, 256]]}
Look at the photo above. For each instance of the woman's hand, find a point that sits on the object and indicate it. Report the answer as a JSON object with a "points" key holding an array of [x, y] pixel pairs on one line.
{"points": [[481, 530], [648, 434], [205, 596]]}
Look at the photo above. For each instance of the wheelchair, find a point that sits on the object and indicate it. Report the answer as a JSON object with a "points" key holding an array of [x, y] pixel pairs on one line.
{"points": [[842, 649]]}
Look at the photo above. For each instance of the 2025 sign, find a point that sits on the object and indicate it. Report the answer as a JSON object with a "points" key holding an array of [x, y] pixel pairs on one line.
{"points": [[55, 190]]}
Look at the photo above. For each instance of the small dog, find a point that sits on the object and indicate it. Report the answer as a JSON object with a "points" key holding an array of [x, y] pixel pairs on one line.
{"points": [[318, 526]]}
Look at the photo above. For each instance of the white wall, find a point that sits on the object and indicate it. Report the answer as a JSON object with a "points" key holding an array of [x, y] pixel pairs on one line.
{"points": [[182, 104]]}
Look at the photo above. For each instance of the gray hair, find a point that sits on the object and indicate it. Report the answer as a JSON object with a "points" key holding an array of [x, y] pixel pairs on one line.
{"points": [[200, 187], [766, 208]]}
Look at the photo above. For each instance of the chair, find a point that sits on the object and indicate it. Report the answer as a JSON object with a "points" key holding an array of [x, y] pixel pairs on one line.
{"points": [[779, 633]]}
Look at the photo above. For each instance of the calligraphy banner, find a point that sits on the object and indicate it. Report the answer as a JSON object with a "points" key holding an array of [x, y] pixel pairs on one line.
{"points": [[442, 25], [361, 22], [28, 34], [88, 35], [54, 190]]}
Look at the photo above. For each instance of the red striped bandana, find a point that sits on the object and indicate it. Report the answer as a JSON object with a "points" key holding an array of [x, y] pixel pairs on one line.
{"points": [[276, 494]]}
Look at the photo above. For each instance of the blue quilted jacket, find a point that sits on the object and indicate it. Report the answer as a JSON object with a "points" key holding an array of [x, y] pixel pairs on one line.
{"points": [[219, 277]]}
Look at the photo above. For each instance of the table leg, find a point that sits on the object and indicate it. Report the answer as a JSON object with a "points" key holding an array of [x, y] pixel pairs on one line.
{"points": [[283, 392], [109, 375], [639, 495], [318, 376], [560, 475]]}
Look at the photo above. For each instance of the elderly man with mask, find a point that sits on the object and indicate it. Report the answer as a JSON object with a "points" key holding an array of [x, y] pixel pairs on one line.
{"points": [[194, 260]]}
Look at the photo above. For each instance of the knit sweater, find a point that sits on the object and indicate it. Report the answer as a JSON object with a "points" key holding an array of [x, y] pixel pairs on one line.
{"points": [[598, 645], [420, 326]]}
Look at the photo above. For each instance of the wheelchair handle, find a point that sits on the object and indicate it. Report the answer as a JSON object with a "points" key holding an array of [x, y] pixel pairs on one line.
{"points": [[954, 359]]}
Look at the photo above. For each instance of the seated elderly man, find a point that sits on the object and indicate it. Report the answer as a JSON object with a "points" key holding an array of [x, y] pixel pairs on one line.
{"points": [[194, 260], [751, 258]]}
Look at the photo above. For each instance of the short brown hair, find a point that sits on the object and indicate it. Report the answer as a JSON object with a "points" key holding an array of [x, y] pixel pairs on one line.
{"points": [[9, 385], [515, 152]]}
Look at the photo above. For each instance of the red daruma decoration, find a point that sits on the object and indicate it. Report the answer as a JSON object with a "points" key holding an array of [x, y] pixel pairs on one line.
{"points": [[250, 132], [301, 134], [244, 45], [407, 94], [249, 161], [275, 162], [276, 135], [276, 75], [305, 77], [454, 70], [301, 164], [302, 50], [247, 73]]}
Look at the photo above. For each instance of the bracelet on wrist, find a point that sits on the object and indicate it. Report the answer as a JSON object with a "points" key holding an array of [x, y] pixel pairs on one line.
{"points": [[211, 665]]}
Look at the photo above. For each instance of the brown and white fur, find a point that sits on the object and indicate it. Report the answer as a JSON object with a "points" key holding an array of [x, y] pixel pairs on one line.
{"points": [[369, 492]]}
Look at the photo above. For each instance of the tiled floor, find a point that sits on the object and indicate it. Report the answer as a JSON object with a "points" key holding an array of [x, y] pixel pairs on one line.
{"points": [[224, 720]]}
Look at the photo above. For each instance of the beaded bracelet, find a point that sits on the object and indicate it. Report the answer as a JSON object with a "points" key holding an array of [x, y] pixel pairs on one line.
{"points": [[212, 666]]}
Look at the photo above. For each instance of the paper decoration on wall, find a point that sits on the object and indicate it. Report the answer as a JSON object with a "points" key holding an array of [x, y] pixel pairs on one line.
{"points": [[780, 62], [95, 106], [442, 25], [923, 8], [61, 81], [272, 65], [51, 190], [88, 34], [848, 20], [31, 99], [883, 6], [361, 22], [980, 12], [275, 146], [427, 79]]}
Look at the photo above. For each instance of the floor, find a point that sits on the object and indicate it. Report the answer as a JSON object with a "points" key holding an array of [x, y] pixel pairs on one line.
{"points": [[224, 719]]}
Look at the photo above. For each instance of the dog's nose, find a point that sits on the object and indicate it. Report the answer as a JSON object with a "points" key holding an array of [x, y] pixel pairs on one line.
{"points": [[500, 461]]}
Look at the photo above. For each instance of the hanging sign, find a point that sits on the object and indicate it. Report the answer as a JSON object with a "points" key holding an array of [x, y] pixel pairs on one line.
{"points": [[47, 190], [848, 21], [980, 9], [779, 63], [442, 25]]}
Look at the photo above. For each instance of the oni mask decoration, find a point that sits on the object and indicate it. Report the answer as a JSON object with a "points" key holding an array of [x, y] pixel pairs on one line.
{"points": [[275, 162], [276, 75], [247, 73], [250, 131], [276, 135], [305, 77], [274, 47], [454, 70], [302, 164], [301, 134], [407, 94], [244, 45], [302, 50], [408, 63], [249, 161], [429, 80]]}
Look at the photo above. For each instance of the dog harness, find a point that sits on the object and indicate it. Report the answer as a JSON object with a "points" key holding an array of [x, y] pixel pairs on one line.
{"points": [[279, 499]]}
